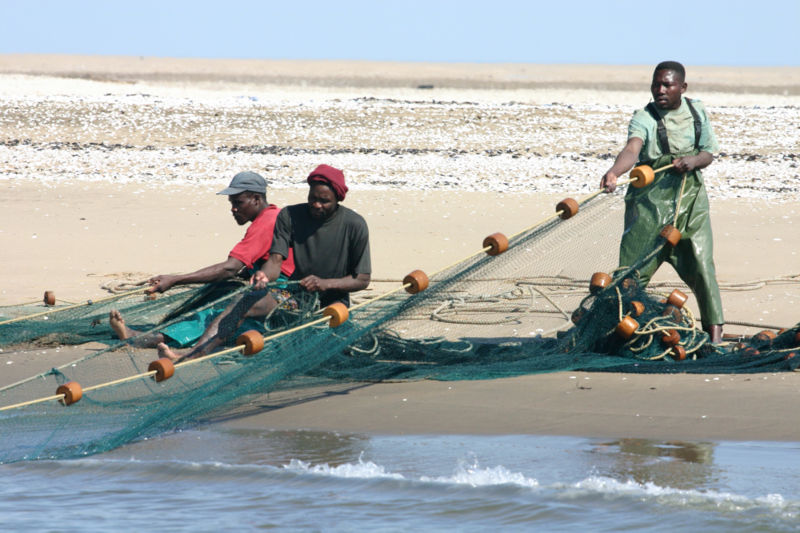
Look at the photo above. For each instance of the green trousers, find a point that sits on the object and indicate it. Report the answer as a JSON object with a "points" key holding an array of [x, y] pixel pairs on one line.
{"points": [[648, 210]]}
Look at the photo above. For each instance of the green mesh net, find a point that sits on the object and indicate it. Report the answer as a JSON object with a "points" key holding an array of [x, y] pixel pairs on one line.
{"points": [[530, 309]]}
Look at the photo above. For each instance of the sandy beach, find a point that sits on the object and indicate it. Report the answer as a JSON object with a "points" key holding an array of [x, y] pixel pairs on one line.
{"points": [[109, 168]]}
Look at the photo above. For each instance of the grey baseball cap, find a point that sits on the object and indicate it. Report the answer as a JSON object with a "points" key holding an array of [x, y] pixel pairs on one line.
{"points": [[246, 181]]}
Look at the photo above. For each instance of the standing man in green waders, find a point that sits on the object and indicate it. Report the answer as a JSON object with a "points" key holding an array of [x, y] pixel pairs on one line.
{"points": [[671, 130]]}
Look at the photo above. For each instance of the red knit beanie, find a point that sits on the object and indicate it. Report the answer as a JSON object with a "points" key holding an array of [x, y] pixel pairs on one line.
{"points": [[332, 177]]}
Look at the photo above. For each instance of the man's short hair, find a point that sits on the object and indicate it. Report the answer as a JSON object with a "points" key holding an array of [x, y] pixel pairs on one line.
{"points": [[673, 66], [260, 194]]}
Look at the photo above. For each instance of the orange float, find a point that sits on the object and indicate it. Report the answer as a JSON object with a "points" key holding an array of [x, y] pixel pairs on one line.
{"points": [[578, 314], [678, 352], [637, 308], [797, 338], [338, 313], [567, 208], [789, 355], [599, 281], [674, 313], [626, 327], [163, 367], [496, 242], [670, 338], [677, 298], [764, 336], [252, 340], [642, 176], [671, 235], [49, 298], [749, 351], [72, 392], [416, 281]]}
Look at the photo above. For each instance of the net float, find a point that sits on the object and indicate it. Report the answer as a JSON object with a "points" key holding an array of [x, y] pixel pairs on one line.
{"points": [[642, 176], [338, 313], [496, 242], [416, 281], [567, 208], [671, 235], [764, 336], [163, 367], [626, 327], [677, 298], [673, 312], [72, 392], [670, 338], [252, 341], [678, 352], [599, 281], [637, 308]]}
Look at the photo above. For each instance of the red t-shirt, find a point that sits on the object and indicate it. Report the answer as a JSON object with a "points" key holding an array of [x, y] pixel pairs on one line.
{"points": [[258, 239]]}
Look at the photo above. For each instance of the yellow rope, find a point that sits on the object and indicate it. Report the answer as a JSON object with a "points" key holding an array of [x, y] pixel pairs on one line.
{"points": [[678, 204], [59, 309]]}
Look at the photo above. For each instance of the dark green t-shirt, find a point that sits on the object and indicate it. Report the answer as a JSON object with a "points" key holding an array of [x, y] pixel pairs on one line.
{"points": [[334, 248]]}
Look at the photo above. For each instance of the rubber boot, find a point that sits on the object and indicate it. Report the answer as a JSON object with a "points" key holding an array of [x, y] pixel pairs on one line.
{"points": [[715, 332]]}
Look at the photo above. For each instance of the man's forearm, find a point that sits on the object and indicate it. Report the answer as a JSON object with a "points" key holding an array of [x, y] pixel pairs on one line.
{"points": [[350, 283], [217, 272], [624, 162], [272, 268]]}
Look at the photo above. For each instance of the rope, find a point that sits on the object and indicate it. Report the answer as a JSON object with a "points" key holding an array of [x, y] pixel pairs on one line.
{"points": [[678, 203], [68, 307]]}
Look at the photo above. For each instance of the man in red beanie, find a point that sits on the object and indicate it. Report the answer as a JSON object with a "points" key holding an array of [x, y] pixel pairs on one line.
{"points": [[330, 244], [330, 241]]}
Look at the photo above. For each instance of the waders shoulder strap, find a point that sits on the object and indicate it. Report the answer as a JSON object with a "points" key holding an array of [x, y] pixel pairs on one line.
{"points": [[663, 141], [696, 118]]}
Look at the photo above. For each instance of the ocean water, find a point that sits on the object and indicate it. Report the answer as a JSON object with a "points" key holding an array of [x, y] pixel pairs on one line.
{"points": [[218, 479]]}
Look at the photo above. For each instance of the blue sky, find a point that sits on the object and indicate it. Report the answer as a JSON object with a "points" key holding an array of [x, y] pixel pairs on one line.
{"points": [[735, 32]]}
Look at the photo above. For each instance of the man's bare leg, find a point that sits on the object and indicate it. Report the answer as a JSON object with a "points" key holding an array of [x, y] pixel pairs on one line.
{"points": [[223, 326], [122, 331]]}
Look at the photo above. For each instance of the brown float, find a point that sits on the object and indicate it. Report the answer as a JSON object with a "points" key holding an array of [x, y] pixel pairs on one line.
{"points": [[599, 281], [642, 176], [252, 341], [497, 243], [567, 208], [338, 313], [163, 367], [671, 234], [72, 392], [416, 281], [626, 327]]}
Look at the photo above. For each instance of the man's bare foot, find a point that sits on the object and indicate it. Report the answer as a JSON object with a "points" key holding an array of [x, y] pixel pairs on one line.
{"points": [[169, 353], [118, 325]]}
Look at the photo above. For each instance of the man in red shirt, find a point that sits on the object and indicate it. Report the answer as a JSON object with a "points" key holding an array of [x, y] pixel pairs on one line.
{"points": [[247, 194]]}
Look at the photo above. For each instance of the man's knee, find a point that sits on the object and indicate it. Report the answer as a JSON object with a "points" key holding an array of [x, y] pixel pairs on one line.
{"points": [[262, 306]]}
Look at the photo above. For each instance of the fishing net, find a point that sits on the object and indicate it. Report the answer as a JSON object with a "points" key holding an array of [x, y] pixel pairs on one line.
{"points": [[542, 305]]}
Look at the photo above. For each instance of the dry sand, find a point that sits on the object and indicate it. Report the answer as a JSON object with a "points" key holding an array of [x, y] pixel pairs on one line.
{"points": [[63, 232]]}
